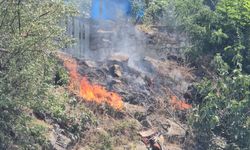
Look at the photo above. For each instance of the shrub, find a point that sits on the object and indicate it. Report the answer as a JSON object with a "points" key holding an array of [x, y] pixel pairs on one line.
{"points": [[224, 111]]}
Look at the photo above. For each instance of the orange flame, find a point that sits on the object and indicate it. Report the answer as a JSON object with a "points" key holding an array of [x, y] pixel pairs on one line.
{"points": [[91, 92], [180, 105]]}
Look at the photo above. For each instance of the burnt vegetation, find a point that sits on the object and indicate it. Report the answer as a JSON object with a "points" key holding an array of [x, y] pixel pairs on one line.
{"points": [[178, 67]]}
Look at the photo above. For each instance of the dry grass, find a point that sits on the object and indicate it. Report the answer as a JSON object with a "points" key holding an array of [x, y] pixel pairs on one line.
{"points": [[111, 133]]}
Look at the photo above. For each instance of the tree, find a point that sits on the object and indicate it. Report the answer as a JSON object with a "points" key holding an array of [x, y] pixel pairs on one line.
{"points": [[153, 11], [224, 30], [224, 111], [83, 6], [30, 35], [221, 31]]}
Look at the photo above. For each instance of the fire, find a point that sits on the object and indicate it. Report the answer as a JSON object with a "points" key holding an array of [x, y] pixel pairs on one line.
{"points": [[91, 92], [71, 65], [180, 105]]}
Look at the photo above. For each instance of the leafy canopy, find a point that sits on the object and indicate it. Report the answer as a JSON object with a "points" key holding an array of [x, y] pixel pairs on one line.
{"points": [[220, 28], [30, 34]]}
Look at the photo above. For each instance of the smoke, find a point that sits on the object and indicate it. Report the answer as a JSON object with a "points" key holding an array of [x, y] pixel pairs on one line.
{"points": [[108, 31], [123, 39], [113, 33]]}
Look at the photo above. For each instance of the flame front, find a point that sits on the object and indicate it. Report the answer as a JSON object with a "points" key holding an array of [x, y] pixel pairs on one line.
{"points": [[180, 105], [91, 92]]}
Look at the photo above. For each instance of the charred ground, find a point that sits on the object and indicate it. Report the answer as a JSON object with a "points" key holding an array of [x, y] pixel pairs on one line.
{"points": [[152, 94]]}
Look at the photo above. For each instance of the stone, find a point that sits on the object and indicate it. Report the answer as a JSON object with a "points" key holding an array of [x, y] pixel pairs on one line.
{"points": [[116, 71], [59, 140], [62, 142], [119, 58]]}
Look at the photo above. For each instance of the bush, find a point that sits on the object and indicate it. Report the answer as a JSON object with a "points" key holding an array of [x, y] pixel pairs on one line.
{"points": [[217, 27], [21, 132], [61, 76], [224, 111], [30, 34]]}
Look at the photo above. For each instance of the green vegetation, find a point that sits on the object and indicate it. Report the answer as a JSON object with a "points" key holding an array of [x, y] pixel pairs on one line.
{"points": [[224, 30], [31, 79], [156, 12], [220, 30], [83, 6], [30, 34], [218, 33], [224, 110], [122, 132]]}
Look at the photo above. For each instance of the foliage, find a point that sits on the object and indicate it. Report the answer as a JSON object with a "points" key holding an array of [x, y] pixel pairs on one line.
{"points": [[65, 111], [122, 132], [101, 140], [105, 141], [216, 27], [224, 111], [30, 38], [30, 34], [83, 6], [61, 76], [220, 29], [198, 21], [155, 12], [14, 132]]}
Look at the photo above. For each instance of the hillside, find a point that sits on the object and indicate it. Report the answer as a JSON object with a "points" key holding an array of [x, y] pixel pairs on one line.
{"points": [[152, 99], [125, 75]]}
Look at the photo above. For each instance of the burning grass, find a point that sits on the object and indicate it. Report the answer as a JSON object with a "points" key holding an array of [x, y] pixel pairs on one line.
{"points": [[90, 92], [179, 105]]}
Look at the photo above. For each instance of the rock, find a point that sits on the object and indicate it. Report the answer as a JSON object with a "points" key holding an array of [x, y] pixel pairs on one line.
{"points": [[59, 140], [116, 71], [119, 58], [62, 142], [176, 133]]}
